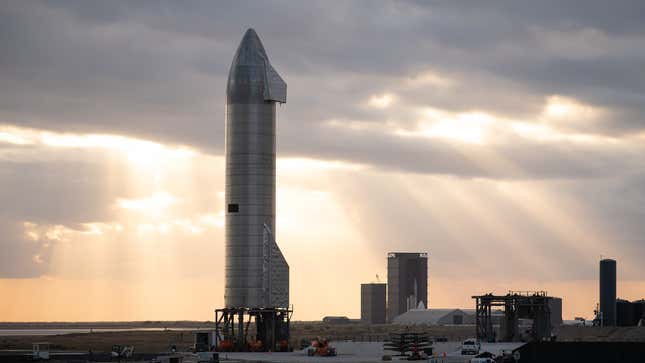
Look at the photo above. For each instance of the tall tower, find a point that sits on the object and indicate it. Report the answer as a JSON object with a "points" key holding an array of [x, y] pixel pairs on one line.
{"points": [[257, 274], [608, 291], [373, 306], [407, 282]]}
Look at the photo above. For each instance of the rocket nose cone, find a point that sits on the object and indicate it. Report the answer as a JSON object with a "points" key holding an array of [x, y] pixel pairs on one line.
{"points": [[250, 36], [251, 51], [251, 77]]}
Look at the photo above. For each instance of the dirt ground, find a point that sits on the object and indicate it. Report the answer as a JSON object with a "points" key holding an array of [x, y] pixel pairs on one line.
{"points": [[161, 341], [144, 341]]}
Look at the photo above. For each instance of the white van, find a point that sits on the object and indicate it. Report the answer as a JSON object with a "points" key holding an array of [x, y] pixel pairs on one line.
{"points": [[470, 346]]}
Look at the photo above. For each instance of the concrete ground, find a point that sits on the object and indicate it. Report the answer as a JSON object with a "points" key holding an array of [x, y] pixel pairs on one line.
{"points": [[364, 352], [356, 352]]}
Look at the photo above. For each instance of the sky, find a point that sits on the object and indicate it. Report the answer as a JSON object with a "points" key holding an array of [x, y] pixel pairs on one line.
{"points": [[504, 138]]}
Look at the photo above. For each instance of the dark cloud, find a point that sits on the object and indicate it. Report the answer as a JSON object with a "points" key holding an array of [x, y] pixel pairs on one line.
{"points": [[157, 69]]}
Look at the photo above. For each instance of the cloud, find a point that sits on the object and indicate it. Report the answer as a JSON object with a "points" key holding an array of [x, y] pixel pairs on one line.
{"points": [[87, 67], [516, 125], [23, 254]]}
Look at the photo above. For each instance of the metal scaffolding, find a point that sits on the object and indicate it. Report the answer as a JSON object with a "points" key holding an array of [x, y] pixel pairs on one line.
{"points": [[271, 329], [516, 305]]}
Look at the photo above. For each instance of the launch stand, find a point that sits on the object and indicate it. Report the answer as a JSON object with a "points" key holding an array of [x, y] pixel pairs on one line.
{"points": [[269, 334], [516, 305]]}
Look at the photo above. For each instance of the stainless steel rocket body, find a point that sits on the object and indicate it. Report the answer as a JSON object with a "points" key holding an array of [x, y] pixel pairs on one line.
{"points": [[256, 273]]}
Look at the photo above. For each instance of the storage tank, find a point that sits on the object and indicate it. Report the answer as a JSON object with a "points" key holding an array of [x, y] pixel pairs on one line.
{"points": [[608, 291], [624, 313]]}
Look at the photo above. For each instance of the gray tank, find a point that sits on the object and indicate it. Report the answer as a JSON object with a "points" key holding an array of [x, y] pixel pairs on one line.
{"points": [[608, 291], [257, 274]]}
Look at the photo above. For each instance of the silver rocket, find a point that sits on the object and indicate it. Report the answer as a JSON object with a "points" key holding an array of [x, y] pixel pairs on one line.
{"points": [[257, 274]]}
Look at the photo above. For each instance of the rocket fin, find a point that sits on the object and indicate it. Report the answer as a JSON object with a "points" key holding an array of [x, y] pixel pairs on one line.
{"points": [[275, 87], [277, 273], [280, 277]]}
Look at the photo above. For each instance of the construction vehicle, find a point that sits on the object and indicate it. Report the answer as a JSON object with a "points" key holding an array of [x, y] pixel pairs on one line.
{"points": [[320, 347], [122, 351]]}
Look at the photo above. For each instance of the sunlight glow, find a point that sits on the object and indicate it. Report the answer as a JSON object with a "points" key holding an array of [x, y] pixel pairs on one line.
{"points": [[212, 220], [382, 101], [560, 108], [100, 228], [430, 78], [60, 233], [191, 226], [480, 128], [356, 125], [559, 213], [542, 132], [13, 138], [170, 199], [153, 204], [471, 128], [304, 164], [136, 150]]}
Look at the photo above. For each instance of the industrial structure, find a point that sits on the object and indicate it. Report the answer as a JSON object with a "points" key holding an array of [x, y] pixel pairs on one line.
{"points": [[607, 311], [544, 311], [407, 282], [256, 272], [630, 313], [373, 308]]}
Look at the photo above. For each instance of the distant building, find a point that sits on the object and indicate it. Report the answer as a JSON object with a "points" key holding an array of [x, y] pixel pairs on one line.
{"points": [[373, 303], [629, 313], [555, 308], [407, 281], [336, 320], [436, 317], [639, 312]]}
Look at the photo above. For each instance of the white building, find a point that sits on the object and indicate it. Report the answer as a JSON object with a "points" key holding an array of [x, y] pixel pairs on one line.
{"points": [[436, 317]]}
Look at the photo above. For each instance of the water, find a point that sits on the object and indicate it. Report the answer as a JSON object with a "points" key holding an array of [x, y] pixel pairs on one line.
{"points": [[8, 332]]}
